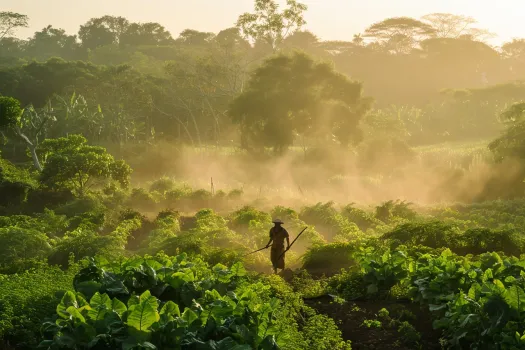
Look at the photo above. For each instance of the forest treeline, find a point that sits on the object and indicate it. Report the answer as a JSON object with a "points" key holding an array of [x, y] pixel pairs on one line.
{"points": [[263, 83]]}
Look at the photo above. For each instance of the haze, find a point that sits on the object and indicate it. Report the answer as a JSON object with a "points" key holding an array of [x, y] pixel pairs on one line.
{"points": [[330, 20]]}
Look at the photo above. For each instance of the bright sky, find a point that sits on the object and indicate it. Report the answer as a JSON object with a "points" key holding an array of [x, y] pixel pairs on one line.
{"points": [[328, 19]]}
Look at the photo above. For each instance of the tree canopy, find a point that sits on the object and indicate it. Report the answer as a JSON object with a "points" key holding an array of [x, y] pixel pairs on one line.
{"points": [[9, 21], [293, 94], [69, 162], [269, 25]]}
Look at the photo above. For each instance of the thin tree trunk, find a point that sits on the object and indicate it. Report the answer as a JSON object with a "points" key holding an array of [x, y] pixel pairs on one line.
{"points": [[32, 149], [36, 162]]}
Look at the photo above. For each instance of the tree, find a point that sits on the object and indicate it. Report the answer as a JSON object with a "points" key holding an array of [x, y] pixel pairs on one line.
{"points": [[195, 38], [102, 31], [27, 124], [69, 162], [514, 49], [511, 144], [270, 25], [9, 21], [52, 42], [399, 34], [514, 53], [447, 25], [138, 34], [305, 41], [230, 40], [292, 94]]}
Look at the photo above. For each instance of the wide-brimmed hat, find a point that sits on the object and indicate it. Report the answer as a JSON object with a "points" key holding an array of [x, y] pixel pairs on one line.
{"points": [[277, 221]]}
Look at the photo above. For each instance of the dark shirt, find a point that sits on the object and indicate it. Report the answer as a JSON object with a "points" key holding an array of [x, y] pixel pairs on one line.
{"points": [[278, 234]]}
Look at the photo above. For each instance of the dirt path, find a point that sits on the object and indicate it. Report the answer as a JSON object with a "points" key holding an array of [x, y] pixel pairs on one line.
{"points": [[351, 315]]}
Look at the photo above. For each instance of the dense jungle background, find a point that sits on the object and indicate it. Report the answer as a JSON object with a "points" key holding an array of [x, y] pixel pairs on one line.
{"points": [[138, 169]]}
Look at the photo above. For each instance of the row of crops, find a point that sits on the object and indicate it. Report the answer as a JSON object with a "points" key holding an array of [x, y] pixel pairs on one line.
{"points": [[94, 273]]}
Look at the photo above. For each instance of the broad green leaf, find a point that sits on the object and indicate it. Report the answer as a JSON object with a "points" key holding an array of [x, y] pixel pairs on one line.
{"points": [[238, 269], [99, 300], [88, 288], [142, 317], [179, 278], [69, 299], [146, 297], [510, 279], [474, 291], [446, 253], [170, 309], [487, 275], [515, 297], [211, 295], [76, 315], [118, 306], [246, 335], [268, 343], [500, 287], [133, 300], [98, 313], [189, 316]]}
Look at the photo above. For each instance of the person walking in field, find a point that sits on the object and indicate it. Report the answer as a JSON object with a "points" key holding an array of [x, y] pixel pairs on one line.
{"points": [[277, 235]]}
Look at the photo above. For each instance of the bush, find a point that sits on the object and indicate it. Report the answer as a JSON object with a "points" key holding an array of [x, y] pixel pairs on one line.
{"points": [[322, 333], [328, 259], [361, 218], [83, 244], [395, 209], [26, 299], [240, 220], [433, 234], [142, 200], [482, 240], [20, 248], [162, 185]]}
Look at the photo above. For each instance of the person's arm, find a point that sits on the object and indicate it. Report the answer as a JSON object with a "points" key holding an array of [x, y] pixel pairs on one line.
{"points": [[271, 239], [287, 240]]}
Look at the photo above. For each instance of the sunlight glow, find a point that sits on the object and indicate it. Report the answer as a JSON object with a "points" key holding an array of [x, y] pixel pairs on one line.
{"points": [[328, 19]]}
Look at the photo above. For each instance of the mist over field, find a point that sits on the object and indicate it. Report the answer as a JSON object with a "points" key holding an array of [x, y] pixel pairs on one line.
{"points": [[146, 177]]}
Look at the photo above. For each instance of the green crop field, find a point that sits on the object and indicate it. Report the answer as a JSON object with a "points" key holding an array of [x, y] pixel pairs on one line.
{"points": [[147, 168]]}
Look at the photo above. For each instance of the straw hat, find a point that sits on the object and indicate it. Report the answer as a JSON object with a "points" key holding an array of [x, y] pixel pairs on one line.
{"points": [[277, 221]]}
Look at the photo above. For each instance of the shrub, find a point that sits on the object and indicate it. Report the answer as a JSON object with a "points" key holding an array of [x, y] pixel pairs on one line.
{"points": [[434, 234], [328, 259], [26, 299], [20, 248]]}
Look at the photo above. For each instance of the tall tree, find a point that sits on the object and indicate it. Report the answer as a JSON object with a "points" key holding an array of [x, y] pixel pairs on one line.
{"points": [[399, 34], [270, 25], [292, 94], [52, 42], [511, 144], [9, 21], [145, 34], [27, 124], [514, 49], [447, 25], [102, 31], [195, 38]]}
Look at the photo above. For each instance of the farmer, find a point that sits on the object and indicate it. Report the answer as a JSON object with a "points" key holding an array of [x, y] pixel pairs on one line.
{"points": [[278, 234]]}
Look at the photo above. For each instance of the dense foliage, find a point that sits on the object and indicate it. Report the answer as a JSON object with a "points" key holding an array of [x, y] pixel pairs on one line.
{"points": [[140, 174]]}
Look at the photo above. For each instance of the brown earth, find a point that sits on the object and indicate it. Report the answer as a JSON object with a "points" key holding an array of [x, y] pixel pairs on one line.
{"points": [[350, 316]]}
